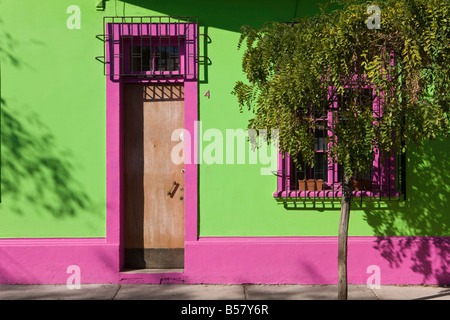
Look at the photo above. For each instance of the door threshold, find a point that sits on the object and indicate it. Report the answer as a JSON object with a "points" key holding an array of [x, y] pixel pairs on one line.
{"points": [[166, 270]]}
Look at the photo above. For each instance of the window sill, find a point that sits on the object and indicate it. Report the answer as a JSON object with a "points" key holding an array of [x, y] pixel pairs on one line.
{"points": [[337, 193]]}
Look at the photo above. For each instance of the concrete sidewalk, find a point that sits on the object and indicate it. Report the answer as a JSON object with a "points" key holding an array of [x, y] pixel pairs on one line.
{"points": [[218, 292]]}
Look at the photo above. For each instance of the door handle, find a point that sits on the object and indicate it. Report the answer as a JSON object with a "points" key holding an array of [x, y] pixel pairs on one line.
{"points": [[174, 189]]}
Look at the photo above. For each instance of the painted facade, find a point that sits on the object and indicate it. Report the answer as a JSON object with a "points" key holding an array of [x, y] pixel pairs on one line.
{"points": [[62, 183]]}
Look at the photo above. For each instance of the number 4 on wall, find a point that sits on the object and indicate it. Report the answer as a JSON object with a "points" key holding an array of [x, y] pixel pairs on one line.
{"points": [[207, 94]]}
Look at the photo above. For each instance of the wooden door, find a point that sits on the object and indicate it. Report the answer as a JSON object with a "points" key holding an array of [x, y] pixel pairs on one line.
{"points": [[153, 183]]}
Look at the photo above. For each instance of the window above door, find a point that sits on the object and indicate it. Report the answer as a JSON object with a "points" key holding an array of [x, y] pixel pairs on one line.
{"points": [[159, 58], [157, 47]]}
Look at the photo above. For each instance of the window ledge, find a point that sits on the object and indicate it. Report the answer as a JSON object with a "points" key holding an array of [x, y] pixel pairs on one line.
{"points": [[337, 193]]}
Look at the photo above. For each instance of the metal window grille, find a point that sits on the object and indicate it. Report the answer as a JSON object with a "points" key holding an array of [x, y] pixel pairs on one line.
{"points": [[323, 181], [150, 47]]}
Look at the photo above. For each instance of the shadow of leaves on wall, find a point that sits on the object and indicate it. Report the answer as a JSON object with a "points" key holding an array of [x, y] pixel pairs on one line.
{"points": [[7, 45], [34, 170], [35, 174], [424, 217]]}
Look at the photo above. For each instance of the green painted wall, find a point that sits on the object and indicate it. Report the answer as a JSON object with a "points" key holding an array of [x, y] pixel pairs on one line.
{"points": [[53, 122], [53, 131]]}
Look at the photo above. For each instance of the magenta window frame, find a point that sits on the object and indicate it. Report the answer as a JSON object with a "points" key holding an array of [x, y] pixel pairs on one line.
{"points": [[128, 44], [121, 36], [383, 176]]}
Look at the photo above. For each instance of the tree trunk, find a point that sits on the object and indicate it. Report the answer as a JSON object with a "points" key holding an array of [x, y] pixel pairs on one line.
{"points": [[343, 235]]}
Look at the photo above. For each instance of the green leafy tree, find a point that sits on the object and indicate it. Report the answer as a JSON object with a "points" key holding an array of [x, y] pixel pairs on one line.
{"points": [[291, 67]]}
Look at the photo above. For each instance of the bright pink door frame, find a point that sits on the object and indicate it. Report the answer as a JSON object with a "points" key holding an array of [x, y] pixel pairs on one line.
{"points": [[114, 96]]}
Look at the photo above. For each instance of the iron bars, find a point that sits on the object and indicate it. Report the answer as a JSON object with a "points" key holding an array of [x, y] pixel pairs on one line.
{"points": [[150, 47]]}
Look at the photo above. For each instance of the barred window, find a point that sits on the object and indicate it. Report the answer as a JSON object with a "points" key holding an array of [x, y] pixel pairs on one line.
{"points": [[323, 180], [157, 47], [155, 58]]}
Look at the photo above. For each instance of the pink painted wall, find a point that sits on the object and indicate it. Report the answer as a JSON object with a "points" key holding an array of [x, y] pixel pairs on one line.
{"points": [[305, 260]]}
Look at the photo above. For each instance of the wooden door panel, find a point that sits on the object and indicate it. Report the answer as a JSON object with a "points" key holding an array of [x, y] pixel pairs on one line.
{"points": [[152, 219], [164, 215]]}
